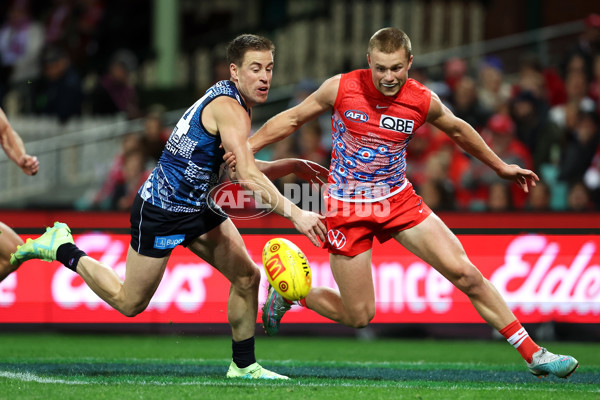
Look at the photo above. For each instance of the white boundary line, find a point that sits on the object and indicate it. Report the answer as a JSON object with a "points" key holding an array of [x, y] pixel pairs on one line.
{"points": [[29, 377]]}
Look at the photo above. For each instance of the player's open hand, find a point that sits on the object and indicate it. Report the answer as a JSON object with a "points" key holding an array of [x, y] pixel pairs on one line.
{"points": [[29, 164], [521, 176], [310, 171], [310, 224]]}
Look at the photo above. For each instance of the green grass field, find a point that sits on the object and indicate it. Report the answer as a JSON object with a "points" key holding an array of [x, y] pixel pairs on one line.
{"points": [[53, 366]]}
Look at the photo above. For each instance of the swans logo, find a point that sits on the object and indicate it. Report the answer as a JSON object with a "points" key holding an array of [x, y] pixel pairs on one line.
{"points": [[336, 238], [231, 200]]}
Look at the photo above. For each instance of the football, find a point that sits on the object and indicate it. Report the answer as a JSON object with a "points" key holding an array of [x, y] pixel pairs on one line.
{"points": [[287, 269]]}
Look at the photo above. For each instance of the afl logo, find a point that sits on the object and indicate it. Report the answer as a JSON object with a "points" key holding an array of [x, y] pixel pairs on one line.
{"points": [[336, 238], [356, 116]]}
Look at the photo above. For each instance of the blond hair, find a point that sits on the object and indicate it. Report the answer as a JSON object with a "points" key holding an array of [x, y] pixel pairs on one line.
{"points": [[389, 40]]}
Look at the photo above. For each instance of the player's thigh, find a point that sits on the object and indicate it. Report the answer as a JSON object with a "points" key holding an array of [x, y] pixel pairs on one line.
{"points": [[143, 275], [9, 241], [224, 249], [433, 242], [354, 278]]}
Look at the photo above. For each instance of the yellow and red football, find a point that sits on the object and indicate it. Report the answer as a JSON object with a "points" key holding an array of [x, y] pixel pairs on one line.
{"points": [[287, 269]]}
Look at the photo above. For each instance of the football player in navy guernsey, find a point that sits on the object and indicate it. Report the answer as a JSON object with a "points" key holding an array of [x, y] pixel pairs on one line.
{"points": [[13, 146], [174, 207]]}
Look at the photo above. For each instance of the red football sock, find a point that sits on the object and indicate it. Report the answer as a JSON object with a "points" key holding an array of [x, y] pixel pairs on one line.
{"points": [[301, 302], [516, 335]]}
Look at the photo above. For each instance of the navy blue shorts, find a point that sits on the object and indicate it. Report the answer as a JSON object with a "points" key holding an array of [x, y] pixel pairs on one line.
{"points": [[156, 232]]}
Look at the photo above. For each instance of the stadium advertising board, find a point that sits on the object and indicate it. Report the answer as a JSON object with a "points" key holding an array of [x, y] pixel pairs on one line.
{"points": [[543, 278]]}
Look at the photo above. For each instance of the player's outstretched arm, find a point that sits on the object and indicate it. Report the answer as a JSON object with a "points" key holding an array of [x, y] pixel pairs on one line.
{"points": [[233, 125], [469, 140], [15, 148], [285, 123], [304, 169]]}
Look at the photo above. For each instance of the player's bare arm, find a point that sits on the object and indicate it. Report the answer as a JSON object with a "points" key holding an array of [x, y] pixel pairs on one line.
{"points": [[304, 169], [469, 140], [233, 124], [285, 123], [15, 149]]}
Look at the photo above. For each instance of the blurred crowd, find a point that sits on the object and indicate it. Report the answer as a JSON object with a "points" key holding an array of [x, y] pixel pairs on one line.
{"points": [[139, 153], [65, 58], [544, 119], [69, 58]]}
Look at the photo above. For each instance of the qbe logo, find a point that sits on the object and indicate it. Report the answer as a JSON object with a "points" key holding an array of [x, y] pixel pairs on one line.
{"points": [[397, 124], [336, 238]]}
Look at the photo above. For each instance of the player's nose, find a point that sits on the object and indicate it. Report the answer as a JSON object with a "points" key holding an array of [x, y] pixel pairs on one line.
{"points": [[264, 76]]}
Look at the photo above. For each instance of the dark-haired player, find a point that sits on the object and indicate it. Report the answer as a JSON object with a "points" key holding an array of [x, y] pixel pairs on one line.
{"points": [[174, 207]]}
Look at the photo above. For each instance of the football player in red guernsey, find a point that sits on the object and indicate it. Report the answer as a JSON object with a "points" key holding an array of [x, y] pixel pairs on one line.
{"points": [[375, 112]]}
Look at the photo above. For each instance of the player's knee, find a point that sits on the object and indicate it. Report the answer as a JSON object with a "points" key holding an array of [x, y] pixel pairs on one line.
{"points": [[132, 311], [6, 266], [248, 279], [469, 281], [361, 319], [360, 322], [132, 308]]}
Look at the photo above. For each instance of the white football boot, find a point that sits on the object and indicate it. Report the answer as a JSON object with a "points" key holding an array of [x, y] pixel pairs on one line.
{"points": [[252, 371], [543, 363]]}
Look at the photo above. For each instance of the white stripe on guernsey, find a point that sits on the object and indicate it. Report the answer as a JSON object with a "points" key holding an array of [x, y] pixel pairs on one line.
{"points": [[518, 337]]}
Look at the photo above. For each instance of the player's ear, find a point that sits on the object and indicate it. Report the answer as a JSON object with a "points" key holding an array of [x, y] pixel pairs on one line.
{"points": [[410, 60], [233, 71], [369, 59]]}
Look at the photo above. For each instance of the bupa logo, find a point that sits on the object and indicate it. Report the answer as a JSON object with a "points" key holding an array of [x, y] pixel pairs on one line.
{"points": [[274, 267], [397, 124], [356, 116], [336, 238], [168, 242]]}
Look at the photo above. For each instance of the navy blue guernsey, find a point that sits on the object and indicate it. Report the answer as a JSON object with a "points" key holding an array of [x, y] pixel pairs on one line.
{"points": [[190, 163]]}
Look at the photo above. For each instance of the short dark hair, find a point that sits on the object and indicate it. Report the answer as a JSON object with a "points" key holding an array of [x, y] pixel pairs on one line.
{"points": [[389, 40], [237, 48]]}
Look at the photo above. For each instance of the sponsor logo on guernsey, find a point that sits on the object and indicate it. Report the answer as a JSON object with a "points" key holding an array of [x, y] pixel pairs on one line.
{"points": [[397, 124], [336, 238], [167, 242], [356, 116]]}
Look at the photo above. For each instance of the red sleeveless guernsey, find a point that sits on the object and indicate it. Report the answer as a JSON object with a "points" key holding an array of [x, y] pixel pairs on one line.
{"points": [[370, 133]]}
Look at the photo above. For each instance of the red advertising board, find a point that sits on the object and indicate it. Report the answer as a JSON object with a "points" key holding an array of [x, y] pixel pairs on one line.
{"points": [[542, 277]]}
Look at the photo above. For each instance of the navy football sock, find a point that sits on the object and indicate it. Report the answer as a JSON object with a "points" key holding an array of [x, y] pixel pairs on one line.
{"points": [[243, 352], [69, 254]]}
